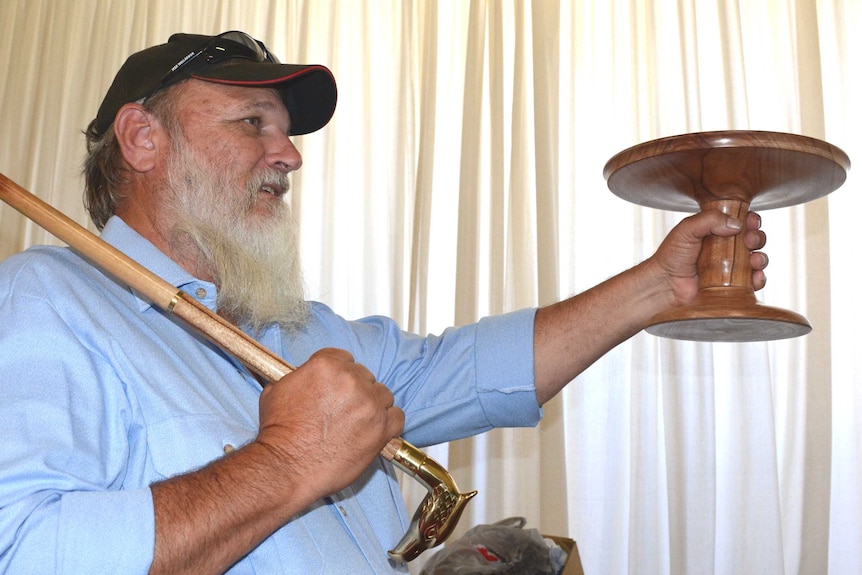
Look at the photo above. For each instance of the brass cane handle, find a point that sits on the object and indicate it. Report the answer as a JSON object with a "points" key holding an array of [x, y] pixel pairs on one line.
{"points": [[437, 516]]}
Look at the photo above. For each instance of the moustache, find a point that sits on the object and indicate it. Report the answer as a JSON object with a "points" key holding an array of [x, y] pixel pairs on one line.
{"points": [[273, 182]]}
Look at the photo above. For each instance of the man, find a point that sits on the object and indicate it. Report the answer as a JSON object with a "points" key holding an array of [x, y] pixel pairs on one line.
{"points": [[131, 444]]}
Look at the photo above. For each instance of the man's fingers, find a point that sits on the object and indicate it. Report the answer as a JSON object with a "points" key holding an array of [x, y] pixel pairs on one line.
{"points": [[759, 260], [717, 223], [335, 353], [711, 222], [388, 399], [754, 239], [753, 221], [396, 421]]}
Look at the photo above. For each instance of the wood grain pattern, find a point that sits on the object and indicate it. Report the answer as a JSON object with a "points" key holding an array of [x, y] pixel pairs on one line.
{"points": [[765, 169], [732, 171]]}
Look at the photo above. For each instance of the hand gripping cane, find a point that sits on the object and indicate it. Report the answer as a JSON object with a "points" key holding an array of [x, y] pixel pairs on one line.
{"points": [[440, 510]]}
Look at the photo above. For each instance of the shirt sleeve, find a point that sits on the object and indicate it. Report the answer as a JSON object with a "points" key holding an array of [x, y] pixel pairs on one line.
{"points": [[465, 381], [64, 420]]}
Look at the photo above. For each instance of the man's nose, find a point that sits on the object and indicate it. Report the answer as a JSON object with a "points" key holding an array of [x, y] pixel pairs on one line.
{"points": [[283, 154]]}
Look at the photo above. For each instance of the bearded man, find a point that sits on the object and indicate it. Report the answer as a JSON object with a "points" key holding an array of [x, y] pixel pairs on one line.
{"points": [[131, 445]]}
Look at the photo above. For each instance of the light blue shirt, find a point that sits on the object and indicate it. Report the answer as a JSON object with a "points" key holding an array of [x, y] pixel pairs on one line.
{"points": [[102, 394]]}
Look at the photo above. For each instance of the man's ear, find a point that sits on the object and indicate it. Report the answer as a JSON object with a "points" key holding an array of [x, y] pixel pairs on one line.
{"points": [[137, 132]]}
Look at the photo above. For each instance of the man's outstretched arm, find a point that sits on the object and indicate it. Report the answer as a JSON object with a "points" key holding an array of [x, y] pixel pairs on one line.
{"points": [[572, 334]]}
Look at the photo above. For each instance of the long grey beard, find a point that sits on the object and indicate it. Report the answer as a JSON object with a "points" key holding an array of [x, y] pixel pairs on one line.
{"points": [[254, 261]]}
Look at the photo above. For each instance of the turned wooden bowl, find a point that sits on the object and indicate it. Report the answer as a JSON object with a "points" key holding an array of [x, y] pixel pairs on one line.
{"points": [[732, 171]]}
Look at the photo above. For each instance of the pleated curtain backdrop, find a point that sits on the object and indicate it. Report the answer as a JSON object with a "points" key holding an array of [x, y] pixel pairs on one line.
{"points": [[462, 176]]}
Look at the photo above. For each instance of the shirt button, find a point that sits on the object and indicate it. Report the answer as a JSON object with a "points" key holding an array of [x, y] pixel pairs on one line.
{"points": [[343, 510], [201, 293], [228, 448]]}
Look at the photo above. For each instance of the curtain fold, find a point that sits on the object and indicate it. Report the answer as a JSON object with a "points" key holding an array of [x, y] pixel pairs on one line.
{"points": [[462, 176]]}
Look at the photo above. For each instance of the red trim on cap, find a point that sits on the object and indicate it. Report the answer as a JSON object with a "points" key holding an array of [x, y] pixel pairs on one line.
{"points": [[278, 80]]}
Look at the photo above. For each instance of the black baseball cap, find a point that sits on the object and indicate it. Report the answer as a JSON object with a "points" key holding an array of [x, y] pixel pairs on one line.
{"points": [[233, 58]]}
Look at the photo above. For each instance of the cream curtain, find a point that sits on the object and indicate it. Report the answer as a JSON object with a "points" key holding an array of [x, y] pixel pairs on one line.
{"points": [[462, 176]]}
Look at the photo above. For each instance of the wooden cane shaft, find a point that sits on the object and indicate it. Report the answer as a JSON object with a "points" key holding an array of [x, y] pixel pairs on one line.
{"points": [[107, 257], [227, 336]]}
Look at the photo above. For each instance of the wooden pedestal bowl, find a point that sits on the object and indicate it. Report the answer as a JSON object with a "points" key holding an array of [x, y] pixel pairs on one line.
{"points": [[731, 171]]}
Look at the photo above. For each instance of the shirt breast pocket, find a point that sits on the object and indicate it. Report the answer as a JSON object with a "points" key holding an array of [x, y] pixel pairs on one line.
{"points": [[182, 444]]}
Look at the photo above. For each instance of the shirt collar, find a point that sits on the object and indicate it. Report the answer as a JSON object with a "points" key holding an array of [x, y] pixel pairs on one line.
{"points": [[118, 233]]}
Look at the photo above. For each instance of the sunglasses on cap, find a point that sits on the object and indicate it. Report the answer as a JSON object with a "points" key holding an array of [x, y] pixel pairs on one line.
{"points": [[225, 46]]}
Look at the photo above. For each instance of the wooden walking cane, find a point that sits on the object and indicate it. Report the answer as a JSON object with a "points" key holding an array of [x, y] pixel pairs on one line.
{"points": [[441, 508]]}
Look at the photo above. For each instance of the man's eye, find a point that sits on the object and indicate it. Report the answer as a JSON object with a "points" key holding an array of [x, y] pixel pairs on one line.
{"points": [[253, 121]]}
